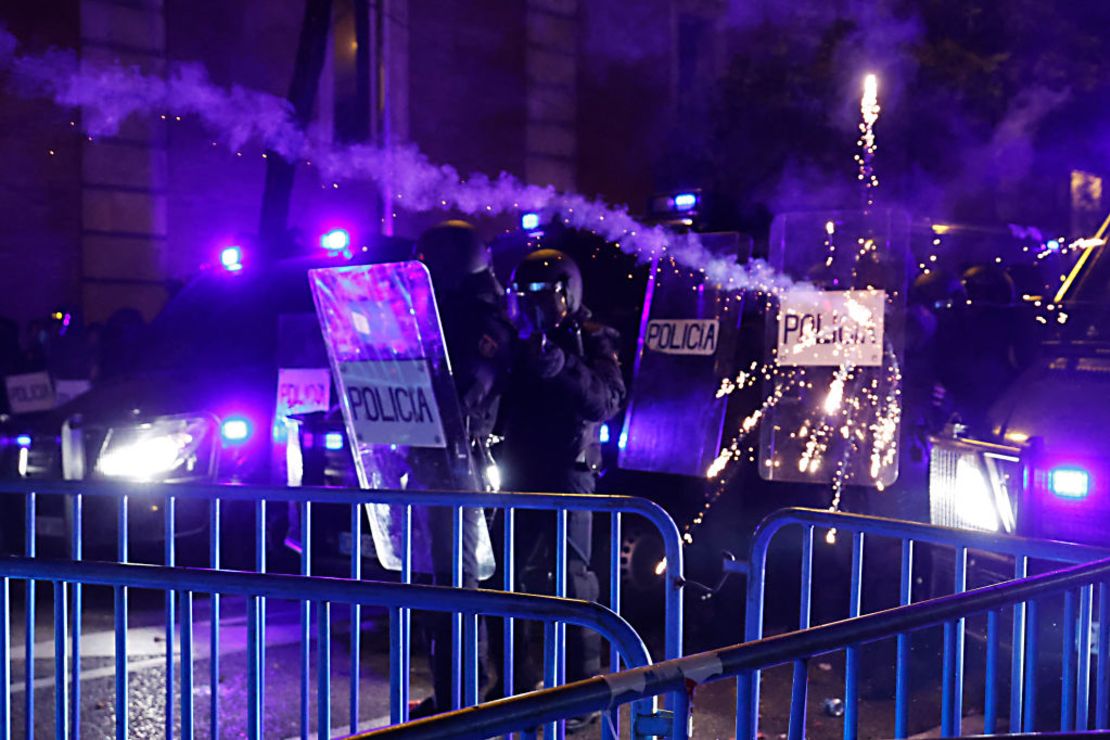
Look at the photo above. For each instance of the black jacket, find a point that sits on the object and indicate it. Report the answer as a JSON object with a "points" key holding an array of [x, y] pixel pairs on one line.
{"points": [[550, 423], [479, 341]]}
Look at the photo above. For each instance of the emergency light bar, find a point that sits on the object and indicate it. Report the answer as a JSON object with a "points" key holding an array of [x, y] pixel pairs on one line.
{"points": [[232, 259], [333, 441], [235, 430], [1073, 483], [336, 240], [677, 203], [685, 201]]}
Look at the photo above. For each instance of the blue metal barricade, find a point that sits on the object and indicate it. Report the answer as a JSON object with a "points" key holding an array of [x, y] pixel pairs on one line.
{"points": [[216, 496], [606, 693], [861, 528], [322, 592]]}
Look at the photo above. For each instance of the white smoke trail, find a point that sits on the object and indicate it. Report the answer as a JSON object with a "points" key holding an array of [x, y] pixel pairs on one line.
{"points": [[109, 94]]}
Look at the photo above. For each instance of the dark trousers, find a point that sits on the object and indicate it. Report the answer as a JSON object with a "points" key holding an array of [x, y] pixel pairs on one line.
{"points": [[534, 560], [437, 625], [438, 633]]}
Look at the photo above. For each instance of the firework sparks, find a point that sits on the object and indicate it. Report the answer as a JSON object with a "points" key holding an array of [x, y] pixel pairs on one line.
{"points": [[869, 115]]}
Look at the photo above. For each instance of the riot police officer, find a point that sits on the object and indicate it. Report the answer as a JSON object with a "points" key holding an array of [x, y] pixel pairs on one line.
{"points": [[566, 380], [479, 338], [476, 329]]}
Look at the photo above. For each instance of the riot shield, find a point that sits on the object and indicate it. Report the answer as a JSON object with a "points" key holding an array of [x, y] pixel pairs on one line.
{"points": [[387, 355], [685, 350], [833, 411]]}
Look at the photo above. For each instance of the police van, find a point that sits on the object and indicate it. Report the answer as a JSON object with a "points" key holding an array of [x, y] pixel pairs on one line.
{"points": [[1040, 465], [233, 354]]}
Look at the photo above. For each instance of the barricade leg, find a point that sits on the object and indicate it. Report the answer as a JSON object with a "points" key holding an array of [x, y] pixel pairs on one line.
{"points": [[959, 628], [990, 702], [29, 507], [61, 669], [120, 606], [5, 663], [214, 636], [254, 669], [75, 700], [1102, 683], [171, 560], [902, 663], [1083, 671], [356, 614], [851, 658], [1031, 640], [323, 669], [551, 673], [187, 665], [1017, 652], [306, 614], [615, 603], [1067, 678], [798, 693], [456, 617], [260, 616], [508, 559]]}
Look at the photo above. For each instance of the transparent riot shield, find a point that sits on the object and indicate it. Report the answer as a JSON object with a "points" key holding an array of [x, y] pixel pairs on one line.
{"points": [[387, 355], [686, 349], [833, 411]]}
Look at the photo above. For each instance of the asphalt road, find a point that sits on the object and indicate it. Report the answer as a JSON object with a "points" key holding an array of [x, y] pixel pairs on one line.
{"points": [[714, 704], [147, 668]]}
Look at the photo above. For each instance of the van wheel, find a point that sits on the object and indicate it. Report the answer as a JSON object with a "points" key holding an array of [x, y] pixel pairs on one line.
{"points": [[641, 553]]}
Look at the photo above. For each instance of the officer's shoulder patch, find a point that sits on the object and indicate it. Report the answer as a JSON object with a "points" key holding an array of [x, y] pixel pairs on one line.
{"points": [[488, 346]]}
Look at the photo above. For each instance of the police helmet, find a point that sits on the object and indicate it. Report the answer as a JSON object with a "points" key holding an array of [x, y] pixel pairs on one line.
{"points": [[452, 251], [937, 289], [989, 284], [545, 288]]}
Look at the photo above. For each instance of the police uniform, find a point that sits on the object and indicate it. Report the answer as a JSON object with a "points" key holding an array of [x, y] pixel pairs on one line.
{"points": [[557, 396], [478, 336]]}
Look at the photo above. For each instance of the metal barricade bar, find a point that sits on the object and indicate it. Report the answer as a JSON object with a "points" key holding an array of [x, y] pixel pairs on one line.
{"points": [[255, 586], [507, 503], [910, 533], [606, 693]]}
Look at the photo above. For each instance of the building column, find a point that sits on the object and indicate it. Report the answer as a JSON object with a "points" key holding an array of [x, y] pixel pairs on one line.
{"points": [[123, 177], [551, 139]]}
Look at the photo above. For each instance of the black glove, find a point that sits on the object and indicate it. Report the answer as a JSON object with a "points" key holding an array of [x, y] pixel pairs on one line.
{"points": [[543, 358]]}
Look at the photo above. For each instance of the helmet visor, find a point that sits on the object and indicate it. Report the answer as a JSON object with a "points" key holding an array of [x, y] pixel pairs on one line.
{"points": [[537, 307]]}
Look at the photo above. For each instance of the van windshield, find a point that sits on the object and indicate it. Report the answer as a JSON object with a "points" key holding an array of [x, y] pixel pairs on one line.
{"points": [[223, 322], [1089, 305]]}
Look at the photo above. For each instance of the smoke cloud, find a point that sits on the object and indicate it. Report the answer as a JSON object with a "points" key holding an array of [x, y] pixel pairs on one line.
{"points": [[109, 94]]}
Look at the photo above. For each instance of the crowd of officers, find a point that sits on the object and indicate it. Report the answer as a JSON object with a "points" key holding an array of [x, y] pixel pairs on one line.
{"points": [[532, 366]]}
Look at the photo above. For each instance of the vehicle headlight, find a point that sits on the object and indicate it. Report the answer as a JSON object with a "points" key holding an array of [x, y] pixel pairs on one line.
{"points": [[165, 449], [973, 485], [975, 505]]}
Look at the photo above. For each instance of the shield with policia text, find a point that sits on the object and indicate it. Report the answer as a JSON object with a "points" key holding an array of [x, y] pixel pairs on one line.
{"points": [[387, 355], [685, 350], [833, 408]]}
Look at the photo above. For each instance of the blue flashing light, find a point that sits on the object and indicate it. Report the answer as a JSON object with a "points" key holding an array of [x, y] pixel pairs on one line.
{"points": [[1073, 483], [603, 434], [623, 441], [336, 240], [235, 430], [23, 440], [1053, 245], [530, 221], [333, 441], [685, 201], [232, 258]]}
